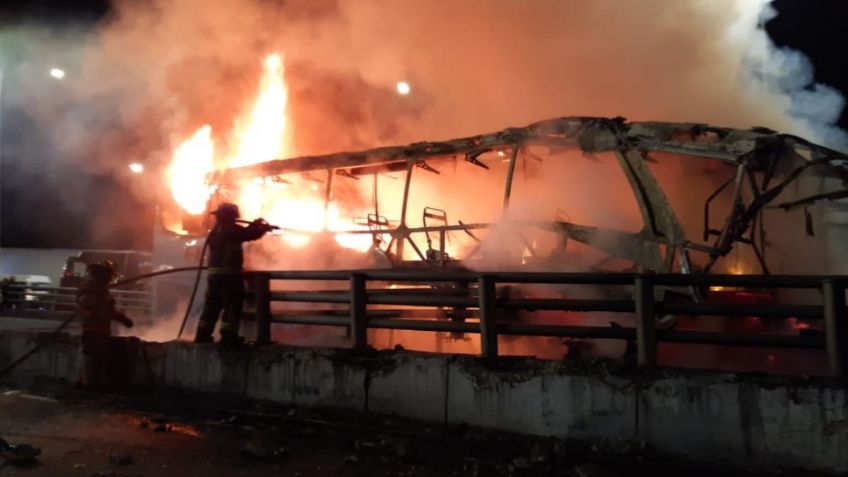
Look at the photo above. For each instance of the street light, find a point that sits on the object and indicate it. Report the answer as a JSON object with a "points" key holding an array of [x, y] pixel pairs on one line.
{"points": [[57, 73], [403, 88], [136, 168]]}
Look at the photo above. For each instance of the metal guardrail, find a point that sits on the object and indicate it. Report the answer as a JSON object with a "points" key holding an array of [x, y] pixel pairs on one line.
{"points": [[33, 301], [488, 306]]}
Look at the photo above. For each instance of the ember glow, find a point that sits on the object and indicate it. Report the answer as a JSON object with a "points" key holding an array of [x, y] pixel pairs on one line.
{"points": [[735, 269], [295, 204]]}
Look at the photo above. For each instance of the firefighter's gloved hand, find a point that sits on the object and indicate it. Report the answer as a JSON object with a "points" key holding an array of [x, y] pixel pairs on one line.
{"points": [[263, 224]]}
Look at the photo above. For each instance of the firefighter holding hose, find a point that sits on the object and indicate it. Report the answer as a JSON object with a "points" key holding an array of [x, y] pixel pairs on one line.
{"points": [[225, 284], [96, 309]]}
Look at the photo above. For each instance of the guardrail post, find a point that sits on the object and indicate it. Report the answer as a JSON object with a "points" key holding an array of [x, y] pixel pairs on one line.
{"points": [[442, 257], [836, 330], [262, 303], [460, 312], [646, 336], [358, 311], [488, 318]]}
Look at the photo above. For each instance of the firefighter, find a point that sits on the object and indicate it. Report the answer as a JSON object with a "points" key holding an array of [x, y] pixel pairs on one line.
{"points": [[225, 284], [96, 309]]}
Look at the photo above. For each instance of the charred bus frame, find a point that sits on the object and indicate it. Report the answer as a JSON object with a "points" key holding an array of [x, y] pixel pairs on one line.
{"points": [[778, 160]]}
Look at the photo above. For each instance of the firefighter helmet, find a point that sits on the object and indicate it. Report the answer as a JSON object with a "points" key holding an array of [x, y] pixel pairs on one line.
{"points": [[227, 210], [104, 270]]}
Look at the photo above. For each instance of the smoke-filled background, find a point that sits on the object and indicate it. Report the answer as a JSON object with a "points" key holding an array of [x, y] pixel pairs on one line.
{"points": [[149, 73], [143, 76]]}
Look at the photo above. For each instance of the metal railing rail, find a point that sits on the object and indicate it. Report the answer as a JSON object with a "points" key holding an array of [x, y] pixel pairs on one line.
{"points": [[487, 307], [28, 301]]}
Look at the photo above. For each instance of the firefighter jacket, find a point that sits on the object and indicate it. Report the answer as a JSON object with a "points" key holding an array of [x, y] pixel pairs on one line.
{"points": [[96, 309], [225, 250]]}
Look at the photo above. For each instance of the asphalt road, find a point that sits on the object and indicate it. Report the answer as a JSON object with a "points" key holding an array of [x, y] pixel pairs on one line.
{"points": [[101, 438]]}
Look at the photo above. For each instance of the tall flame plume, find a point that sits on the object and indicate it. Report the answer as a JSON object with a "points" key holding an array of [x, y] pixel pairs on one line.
{"points": [[260, 135]]}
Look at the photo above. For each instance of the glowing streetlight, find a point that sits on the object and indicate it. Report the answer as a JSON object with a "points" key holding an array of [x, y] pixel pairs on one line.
{"points": [[57, 73], [403, 88], [136, 168]]}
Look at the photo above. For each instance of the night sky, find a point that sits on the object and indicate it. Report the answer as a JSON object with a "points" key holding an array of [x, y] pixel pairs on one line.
{"points": [[41, 217]]}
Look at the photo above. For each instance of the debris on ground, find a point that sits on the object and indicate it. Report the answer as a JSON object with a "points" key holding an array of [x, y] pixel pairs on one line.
{"points": [[109, 473], [120, 458], [472, 468], [20, 454], [541, 453], [620, 446], [359, 444], [593, 470], [404, 448], [520, 463], [261, 446]]}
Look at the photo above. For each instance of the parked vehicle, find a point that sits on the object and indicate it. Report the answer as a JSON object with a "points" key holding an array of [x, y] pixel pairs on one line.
{"points": [[24, 290], [129, 263]]}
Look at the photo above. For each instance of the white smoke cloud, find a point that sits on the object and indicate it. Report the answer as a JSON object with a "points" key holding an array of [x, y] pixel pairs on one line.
{"points": [[787, 74]]}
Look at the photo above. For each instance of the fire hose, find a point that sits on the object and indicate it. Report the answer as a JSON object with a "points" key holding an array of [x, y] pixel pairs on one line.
{"points": [[200, 268]]}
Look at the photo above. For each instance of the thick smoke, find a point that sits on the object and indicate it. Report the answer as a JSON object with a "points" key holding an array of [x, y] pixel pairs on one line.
{"points": [[155, 70], [474, 65]]}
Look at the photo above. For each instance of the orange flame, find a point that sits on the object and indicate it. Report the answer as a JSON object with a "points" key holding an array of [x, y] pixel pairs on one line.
{"points": [[261, 136], [187, 173]]}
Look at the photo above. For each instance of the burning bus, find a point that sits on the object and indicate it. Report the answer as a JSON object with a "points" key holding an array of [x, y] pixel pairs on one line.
{"points": [[565, 194]]}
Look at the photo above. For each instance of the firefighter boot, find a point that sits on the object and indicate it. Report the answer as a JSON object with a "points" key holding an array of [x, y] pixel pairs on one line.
{"points": [[204, 332], [231, 339]]}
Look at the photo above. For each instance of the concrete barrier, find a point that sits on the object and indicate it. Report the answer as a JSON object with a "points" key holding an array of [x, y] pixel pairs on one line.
{"points": [[744, 420]]}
